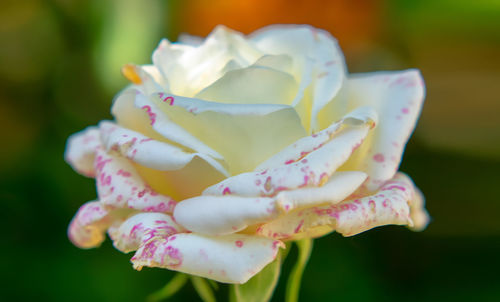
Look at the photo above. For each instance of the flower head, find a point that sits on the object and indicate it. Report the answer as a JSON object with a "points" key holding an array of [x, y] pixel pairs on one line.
{"points": [[224, 148]]}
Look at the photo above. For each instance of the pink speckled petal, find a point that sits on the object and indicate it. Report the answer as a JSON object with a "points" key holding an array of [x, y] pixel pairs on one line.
{"points": [[231, 258], [244, 134], [148, 152], [317, 57], [87, 228], [397, 97], [390, 205], [418, 214], [80, 150], [119, 185], [140, 228], [134, 110], [221, 215], [312, 170], [305, 145], [338, 187]]}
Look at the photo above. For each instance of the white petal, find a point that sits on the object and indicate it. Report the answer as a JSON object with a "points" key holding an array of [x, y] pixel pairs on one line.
{"points": [[338, 187], [80, 150], [303, 43], [87, 228], [220, 215], [140, 228], [149, 152], [230, 259], [252, 85], [397, 97], [303, 146], [390, 205], [313, 170], [119, 185], [245, 134]]}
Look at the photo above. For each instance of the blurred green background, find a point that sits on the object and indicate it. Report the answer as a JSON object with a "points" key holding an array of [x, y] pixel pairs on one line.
{"points": [[60, 67]]}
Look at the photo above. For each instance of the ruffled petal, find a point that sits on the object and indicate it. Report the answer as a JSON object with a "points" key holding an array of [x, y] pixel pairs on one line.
{"points": [[80, 150], [148, 152], [120, 186], [244, 134], [192, 68], [314, 169], [87, 229], [305, 145], [230, 259], [221, 215], [317, 57], [390, 205], [397, 97], [140, 228]]}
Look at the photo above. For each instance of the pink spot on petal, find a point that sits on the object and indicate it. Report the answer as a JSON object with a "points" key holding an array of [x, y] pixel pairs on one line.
{"points": [[239, 243], [379, 158]]}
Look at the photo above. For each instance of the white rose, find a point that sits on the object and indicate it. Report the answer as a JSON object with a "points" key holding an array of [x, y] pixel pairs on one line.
{"points": [[224, 148]]}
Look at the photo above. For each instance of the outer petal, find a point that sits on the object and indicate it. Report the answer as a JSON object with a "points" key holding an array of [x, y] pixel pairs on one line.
{"points": [[133, 110], [231, 259], [80, 150], [305, 145], [389, 206], [397, 97], [149, 152], [237, 131], [302, 43], [119, 185], [89, 225], [313, 170], [140, 228], [220, 215]]}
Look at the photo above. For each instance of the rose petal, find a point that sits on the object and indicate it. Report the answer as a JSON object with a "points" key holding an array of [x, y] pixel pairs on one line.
{"points": [[338, 187], [313, 170], [140, 228], [87, 228], [304, 146], [80, 151], [230, 259], [397, 97], [239, 87], [119, 185], [134, 111], [390, 205], [148, 152], [418, 214], [237, 131], [221, 215], [305, 43], [190, 69]]}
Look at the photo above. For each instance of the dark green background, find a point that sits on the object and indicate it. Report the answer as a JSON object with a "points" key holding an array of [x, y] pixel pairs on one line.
{"points": [[55, 80]]}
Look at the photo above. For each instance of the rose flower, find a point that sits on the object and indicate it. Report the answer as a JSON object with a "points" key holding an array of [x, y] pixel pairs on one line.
{"points": [[224, 148]]}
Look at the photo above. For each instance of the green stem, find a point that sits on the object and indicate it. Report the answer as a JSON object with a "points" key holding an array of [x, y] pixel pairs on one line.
{"points": [[173, 286], [293, 285], [203, 288]]}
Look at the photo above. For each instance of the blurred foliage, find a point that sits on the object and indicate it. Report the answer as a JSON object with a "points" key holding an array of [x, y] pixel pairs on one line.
{"points": [[59, 70]]}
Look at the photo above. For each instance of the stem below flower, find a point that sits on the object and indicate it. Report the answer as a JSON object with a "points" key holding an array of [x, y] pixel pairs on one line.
{"points": [[293, 285], [173, 286]]}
